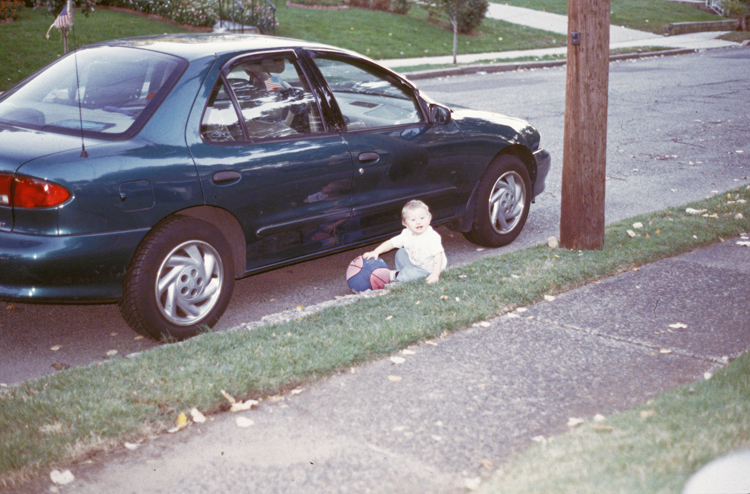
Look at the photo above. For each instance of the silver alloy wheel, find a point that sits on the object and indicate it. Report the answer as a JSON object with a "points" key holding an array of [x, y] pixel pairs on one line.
{"points": [[188, 283], [507, 202]]}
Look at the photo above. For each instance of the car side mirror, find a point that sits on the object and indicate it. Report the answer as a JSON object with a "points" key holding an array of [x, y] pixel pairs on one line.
{"points": [[439, 115]]}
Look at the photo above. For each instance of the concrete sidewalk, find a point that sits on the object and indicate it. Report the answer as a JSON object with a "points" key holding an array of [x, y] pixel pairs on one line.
{"points": [[456, 408], [620, 37]]}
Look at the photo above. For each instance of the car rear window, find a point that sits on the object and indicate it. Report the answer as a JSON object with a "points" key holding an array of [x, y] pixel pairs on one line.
{"points": [[101, 91]]}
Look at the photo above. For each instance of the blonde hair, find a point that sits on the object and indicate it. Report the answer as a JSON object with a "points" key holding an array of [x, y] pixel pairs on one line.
{"points": [[413, 205]]}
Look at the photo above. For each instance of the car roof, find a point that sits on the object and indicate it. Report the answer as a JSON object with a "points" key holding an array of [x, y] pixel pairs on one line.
{"points": [[192, 46]]}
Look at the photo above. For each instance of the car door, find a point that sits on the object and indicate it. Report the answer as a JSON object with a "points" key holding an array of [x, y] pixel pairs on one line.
{"points": [[266, 155], [397, 154]]}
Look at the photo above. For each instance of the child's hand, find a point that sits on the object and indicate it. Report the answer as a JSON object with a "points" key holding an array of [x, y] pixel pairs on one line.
{"points": [[370, 255], [433, 278]]}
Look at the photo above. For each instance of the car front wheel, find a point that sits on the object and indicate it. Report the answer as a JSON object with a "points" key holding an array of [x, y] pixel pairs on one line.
{"points": [[180, 280], [503, 200]]}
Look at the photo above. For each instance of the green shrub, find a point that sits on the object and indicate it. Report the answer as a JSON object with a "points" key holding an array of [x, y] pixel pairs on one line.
{"points": [[470, 13], [54, 7], [401, 6]]}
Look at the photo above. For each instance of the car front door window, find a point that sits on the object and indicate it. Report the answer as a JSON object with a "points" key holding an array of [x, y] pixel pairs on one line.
{"points": [[368, 100]]}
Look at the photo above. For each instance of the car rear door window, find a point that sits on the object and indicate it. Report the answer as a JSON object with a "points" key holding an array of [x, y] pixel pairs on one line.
{"points": [[261, 98]]}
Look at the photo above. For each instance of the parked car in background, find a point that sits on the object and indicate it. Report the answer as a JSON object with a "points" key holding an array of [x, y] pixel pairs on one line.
{"points": [[155, 171]]}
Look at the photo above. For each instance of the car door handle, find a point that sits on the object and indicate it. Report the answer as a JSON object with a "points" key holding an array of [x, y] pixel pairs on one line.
{"points": [[368, 156], [226, 177]]}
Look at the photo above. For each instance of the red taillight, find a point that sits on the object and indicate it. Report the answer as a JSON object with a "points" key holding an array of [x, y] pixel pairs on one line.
{"points": [[5, 183], [27, 192]]}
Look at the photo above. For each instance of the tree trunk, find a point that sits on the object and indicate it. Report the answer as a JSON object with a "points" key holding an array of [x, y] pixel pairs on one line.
{"points": [[585, 140]]}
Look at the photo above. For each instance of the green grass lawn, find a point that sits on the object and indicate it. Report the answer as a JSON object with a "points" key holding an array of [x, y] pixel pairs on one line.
{"points": [[645, 15], [25, 49]]}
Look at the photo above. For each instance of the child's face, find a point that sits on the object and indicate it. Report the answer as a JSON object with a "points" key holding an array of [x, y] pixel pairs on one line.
{"points": [[417, 220]]}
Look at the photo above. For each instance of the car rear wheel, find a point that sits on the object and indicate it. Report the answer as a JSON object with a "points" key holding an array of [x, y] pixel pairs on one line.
{"points": [[180, 280], [503, 201]]}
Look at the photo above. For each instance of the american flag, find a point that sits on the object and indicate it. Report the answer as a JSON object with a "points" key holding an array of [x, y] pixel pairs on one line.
{"points": [[272, 83], [64, 19]]}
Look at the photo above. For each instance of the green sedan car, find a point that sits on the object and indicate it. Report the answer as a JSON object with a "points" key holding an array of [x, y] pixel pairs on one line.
{"points": [[156, 171]]}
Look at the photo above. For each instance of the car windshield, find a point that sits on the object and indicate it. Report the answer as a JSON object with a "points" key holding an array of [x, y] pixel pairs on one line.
{"points": [[118, 88]]}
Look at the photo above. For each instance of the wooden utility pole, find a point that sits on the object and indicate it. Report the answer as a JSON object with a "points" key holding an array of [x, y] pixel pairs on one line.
{"points": [[585, 140]]}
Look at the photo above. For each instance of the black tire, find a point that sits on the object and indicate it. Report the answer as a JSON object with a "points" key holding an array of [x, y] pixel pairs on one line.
{"points": [[177, 255], [503, 200]]}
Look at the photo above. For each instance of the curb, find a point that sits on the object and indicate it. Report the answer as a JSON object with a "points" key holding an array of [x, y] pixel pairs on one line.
{"points": [[699, 27], [513, 66]]}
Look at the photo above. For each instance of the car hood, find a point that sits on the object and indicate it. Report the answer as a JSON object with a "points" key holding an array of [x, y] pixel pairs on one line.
{"points": [[19, 145], [515, 130]]}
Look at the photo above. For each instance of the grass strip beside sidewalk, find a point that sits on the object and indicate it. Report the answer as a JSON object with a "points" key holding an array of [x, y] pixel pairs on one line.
{"points": [[654, 448], [69, 416]]}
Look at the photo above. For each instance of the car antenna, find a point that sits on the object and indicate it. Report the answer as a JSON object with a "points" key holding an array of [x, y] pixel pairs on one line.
{"points": [[84, 154]]}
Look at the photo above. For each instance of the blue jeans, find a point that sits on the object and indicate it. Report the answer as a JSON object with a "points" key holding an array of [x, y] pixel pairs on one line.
{"points": [[406, 270]]}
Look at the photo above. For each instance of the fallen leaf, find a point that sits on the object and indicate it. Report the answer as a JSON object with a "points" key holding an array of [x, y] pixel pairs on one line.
{"points": [[61, 478], [487, 464], [238, 406], [389, 318], [483, 324], [179, 424], [515, 276], [665, 351], [638, 225], [678, 325], [398, 360], [197, 416], [549, 298], [647, 413], [297, 391], [111, 353], [738, 216], [300, 307], [707, 375], [139, 337], [539, 439], [553, 243], [244, 422], [631, 234], [575, 421], [408, 352], [56, 348], [473, 483], [394, 379], [744, 244], [695, 211], [131, 446]]}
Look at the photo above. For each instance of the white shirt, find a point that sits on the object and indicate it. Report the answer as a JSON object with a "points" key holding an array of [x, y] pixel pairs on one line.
{"points": [[421, 248]]}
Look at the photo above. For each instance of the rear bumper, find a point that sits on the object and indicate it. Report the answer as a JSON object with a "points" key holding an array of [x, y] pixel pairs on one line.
{"points": [[543, 164], [80, 268]]}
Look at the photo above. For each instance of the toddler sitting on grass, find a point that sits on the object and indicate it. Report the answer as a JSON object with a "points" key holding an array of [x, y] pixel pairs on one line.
{"points": [[420, 250]]}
